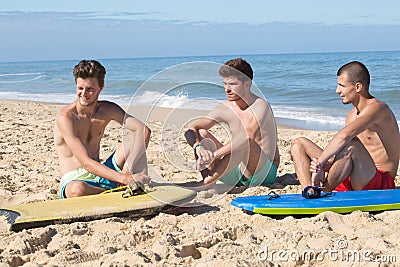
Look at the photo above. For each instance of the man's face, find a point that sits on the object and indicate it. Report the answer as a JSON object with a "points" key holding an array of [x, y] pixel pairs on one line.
{"points": [[88, 91], [234, 88], [345, 89]]}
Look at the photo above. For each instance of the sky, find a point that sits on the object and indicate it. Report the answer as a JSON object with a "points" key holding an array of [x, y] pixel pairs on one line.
{"points": [[76, 29]]}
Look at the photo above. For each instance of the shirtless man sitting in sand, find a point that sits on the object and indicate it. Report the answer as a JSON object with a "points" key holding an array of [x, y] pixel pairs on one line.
{"points": [[252, 156], [364, 155], [78, 130]]}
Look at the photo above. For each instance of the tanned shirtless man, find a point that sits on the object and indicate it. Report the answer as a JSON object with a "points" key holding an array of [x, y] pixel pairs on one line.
{"points": [[251, 157], [364, 155], [78, 130]]}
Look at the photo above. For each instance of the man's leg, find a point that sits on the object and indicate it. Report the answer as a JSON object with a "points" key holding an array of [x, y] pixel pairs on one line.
{"points": [[252, 159], [260, 168], [131, 156], [80, 188], [302, 151], [354, 161], [223, 167], [218, 167]]}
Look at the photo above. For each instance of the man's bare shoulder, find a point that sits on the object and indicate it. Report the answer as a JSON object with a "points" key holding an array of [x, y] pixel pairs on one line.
{"points": [[224, 112], [108, 111], [261, 108], [67, 112], [384, 113], [377, 108], [220, 109], [352, 113], [376, 112], [261, 102], [108, 106], [378, 104]]}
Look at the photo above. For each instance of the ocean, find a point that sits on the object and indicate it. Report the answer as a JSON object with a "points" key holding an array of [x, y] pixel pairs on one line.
{"points": [[299, 87]]}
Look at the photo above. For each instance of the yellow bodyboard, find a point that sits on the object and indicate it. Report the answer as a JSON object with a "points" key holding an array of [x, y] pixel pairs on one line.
{"points": [[92, 207]]}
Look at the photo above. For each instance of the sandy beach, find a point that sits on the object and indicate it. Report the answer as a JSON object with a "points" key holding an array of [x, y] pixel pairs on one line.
{"points": [[213, 234]]}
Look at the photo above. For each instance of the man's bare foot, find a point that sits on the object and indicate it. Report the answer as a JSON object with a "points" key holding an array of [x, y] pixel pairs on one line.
{"points": [[198, 186], [140, 177]]}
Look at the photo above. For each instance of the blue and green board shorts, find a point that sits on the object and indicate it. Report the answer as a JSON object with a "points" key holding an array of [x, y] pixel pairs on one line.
{"points": [[81, 174], [265, 176]]}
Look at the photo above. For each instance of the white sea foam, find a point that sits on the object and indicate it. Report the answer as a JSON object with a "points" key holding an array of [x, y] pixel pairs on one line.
{"points": [[180, 100], [50, 97], [309, 116], [19, 74], [10, 78]]}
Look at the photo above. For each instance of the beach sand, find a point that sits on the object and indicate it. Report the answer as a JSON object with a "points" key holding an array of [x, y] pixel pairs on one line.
{"points": [[213, 234]]}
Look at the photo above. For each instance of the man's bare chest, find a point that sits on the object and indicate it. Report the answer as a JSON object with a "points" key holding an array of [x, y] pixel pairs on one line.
{"points": [[241, 121], [90, 131], [370, 138]]}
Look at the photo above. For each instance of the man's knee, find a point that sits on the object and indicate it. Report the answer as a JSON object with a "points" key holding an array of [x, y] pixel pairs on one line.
{"points": [[353, 146], [203, 133], [297, 145], [147, 134], [75, 189], [355, 142]]}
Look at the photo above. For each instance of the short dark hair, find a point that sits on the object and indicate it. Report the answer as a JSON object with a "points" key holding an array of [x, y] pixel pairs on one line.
{"points": [[357, 72], [90, 69], [237, 67]]}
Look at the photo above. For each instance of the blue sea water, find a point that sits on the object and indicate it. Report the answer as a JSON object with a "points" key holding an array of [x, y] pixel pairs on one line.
{"points": [[299, 87]]}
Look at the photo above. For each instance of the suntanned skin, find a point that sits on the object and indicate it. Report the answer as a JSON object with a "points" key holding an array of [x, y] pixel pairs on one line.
{"points": [[369, 141], [78, 130], [249, 119]]}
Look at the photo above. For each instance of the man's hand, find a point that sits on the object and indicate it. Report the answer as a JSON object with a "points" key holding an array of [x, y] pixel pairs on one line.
{"points": [[205, 158], [317, 173]]}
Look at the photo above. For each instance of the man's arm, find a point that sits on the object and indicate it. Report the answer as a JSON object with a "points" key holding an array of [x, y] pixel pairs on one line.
{"points": [[204, 155], [192, 135], [365, 119]]}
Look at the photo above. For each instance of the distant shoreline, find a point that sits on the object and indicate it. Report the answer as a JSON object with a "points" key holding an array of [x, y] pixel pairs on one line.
{"points": [[159, 113]]}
